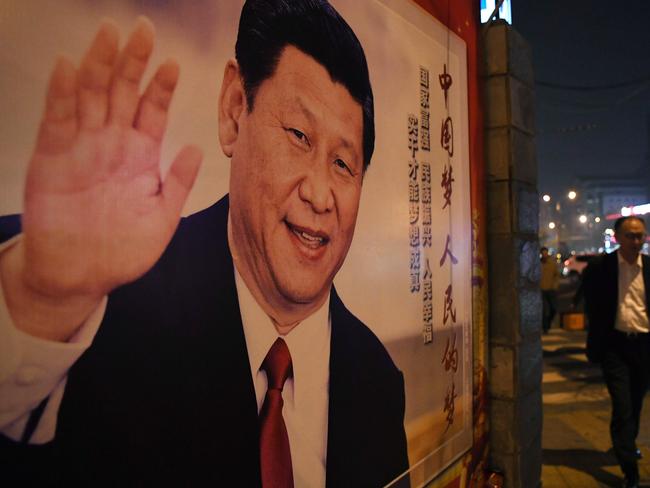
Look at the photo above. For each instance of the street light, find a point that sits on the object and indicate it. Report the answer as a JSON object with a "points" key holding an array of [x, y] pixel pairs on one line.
{"points": [[583, 219], [546, 198], [551, 225], [572, 195], [597, 219]]}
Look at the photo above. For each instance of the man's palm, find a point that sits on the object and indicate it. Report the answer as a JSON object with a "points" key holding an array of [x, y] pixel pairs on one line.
{"points": [[97, 214]]}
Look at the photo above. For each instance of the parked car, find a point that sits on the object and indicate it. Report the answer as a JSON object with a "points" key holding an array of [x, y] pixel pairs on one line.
{"points": [[575, 264]]}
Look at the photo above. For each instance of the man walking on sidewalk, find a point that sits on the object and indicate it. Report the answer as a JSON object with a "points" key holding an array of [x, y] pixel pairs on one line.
{"points": [[617, 293], [548, 284]]}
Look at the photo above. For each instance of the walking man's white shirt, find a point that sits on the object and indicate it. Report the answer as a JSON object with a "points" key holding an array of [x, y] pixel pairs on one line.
{"points": [[631, 316]]}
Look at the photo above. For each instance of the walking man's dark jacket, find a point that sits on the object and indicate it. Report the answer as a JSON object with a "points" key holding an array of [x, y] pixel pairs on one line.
{"points": [[600, 287]]}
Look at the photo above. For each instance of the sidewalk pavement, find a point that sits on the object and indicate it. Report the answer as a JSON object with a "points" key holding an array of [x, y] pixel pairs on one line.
{"points": [[576, 446]]}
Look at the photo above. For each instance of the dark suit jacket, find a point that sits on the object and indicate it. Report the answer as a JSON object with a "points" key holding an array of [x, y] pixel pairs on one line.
{"points": [[600, 288], [164, 396]]}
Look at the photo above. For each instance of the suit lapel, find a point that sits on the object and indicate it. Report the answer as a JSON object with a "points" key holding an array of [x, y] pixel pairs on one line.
{"points": [[229, 406], [610, 285], [241, 419], [341, 398], [646, 282], [366, 442]]}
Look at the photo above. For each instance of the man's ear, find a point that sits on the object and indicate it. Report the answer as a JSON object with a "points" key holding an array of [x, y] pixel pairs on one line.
{"points": [[232, 102]]}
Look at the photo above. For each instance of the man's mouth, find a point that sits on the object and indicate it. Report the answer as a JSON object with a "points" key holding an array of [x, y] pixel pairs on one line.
{"points": [[310, 238]]}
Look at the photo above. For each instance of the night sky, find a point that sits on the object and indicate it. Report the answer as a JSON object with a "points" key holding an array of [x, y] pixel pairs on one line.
{"points": [[581, 45]]}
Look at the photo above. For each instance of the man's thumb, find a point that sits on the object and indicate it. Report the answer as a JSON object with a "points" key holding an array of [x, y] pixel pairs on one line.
{"points": [[180, 179]]}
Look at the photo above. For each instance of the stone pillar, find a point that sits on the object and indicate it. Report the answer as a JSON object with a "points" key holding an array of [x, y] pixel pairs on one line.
{"points": [[514, 330]]}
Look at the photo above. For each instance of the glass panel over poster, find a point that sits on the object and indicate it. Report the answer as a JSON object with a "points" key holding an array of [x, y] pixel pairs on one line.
{"points": [[408, 272], [405, 279]]}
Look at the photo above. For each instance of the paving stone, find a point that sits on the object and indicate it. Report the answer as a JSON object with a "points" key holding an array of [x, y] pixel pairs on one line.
{"points": [[576, 448]]}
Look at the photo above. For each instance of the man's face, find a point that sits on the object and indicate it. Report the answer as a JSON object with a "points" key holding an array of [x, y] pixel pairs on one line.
{"points": [[544, 253], [631, 236], [295, 182]]}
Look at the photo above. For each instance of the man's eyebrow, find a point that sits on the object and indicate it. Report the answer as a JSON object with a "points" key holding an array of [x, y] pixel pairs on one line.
{"points": [[303, 108], [347, 144]]}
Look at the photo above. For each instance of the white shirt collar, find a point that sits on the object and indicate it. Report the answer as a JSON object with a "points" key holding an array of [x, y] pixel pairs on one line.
{"points": [[621, 260], [308, 342]]}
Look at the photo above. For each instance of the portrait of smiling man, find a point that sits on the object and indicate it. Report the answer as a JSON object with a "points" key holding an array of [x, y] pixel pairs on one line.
{"points": [[215, 348], [295, 184]]}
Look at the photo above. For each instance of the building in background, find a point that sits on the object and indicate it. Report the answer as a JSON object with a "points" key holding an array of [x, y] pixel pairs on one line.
{"points": [[577, 222]]}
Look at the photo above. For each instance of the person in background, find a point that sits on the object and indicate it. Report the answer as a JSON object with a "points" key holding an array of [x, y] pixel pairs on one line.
{"points": [[616, 290], [548, 284]]}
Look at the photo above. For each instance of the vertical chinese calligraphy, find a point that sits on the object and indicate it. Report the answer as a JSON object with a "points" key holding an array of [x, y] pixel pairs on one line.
{"points": [[425, 139], [447, 136], [447, 252], [425, 144], [447, 180], [427, 305], [450, 356], [445, 82], [449, 310], [426, 204], [414, 205], [450, 404]]}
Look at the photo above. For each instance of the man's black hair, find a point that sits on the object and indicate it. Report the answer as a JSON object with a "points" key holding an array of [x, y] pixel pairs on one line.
{"points": [[266, 27], [543, 249], [620, 220]]}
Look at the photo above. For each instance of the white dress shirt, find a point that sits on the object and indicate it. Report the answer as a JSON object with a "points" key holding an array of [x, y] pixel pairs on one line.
{"points": [[33, 368], [631, 315]]}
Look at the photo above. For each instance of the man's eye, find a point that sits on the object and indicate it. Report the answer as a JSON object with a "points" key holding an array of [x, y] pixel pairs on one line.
{"points": [[341, 164], [299, 135]]}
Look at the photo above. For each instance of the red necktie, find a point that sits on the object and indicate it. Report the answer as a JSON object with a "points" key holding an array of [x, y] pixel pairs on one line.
{"points": [[275, 454]]}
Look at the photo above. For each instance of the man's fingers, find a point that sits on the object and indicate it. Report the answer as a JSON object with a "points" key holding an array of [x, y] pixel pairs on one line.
{"points": [[59, 125], [151, 118], [180, 179], [95, 75], [130, 66]]}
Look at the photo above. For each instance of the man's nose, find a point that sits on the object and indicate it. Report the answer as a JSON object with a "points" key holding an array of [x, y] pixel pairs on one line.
{"points": [[316, 189]]}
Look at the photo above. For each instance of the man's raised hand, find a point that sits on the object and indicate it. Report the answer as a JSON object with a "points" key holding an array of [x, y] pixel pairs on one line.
{"points": [[97, 214]]}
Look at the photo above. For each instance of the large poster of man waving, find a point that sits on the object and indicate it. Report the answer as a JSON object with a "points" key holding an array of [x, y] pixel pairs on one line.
{"points": [[236, 243]]}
